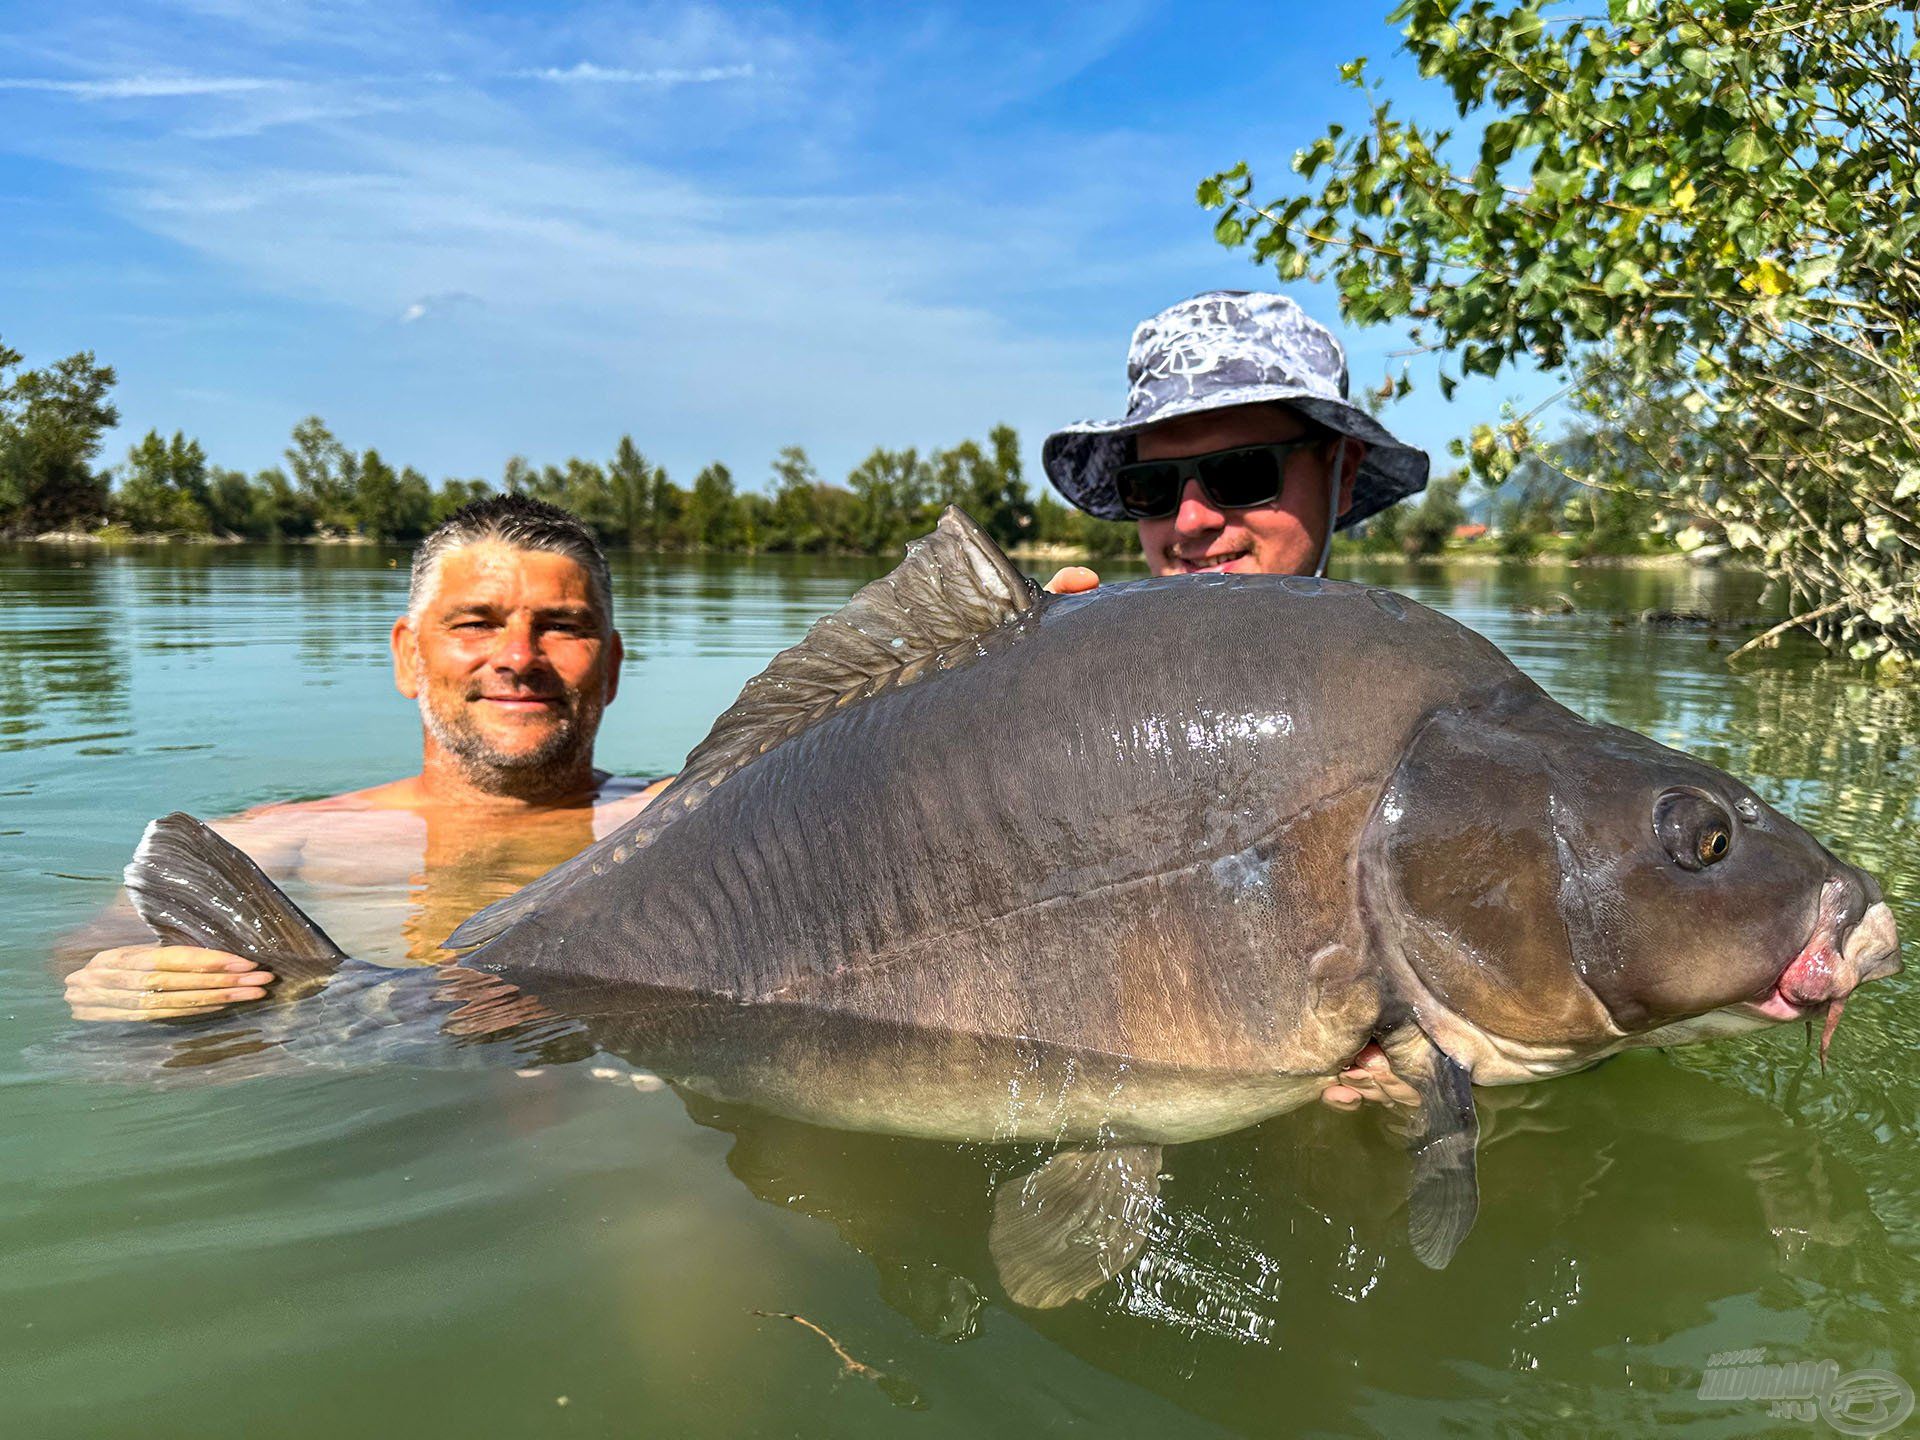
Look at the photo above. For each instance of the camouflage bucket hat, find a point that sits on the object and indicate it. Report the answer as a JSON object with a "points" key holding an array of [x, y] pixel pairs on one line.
{"points": [[1231, 347]]}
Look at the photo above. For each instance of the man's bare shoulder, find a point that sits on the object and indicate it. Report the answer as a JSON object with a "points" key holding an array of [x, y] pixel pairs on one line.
{"points": [[281, 835], [276, 835], [621, 797], [627, 793], [394, 795], [614, 789]]}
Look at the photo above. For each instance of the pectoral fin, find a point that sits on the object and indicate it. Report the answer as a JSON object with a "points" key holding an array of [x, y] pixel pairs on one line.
{"points": [[1064, 1230], [1444, 1194]]}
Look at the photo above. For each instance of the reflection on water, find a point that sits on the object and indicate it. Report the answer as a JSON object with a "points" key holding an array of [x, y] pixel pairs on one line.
{"points": [[63, 667], [1275, 1262], [377, 1212]]}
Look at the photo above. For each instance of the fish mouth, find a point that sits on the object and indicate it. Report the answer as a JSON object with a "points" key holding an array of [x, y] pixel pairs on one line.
{"points": [[1829, 968]]}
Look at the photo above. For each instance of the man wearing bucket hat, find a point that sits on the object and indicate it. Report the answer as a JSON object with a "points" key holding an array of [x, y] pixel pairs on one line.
{"points": [[1239, 452]]}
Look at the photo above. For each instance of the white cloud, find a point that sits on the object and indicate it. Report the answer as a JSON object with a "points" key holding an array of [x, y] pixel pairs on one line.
{"points": [[144, 87], [715, 322], [724, 272], [288, 109], [431, 306], [587, 73]]}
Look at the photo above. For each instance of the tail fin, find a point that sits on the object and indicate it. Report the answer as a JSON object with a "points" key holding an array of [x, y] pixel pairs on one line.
{"points": [[193, 888]]}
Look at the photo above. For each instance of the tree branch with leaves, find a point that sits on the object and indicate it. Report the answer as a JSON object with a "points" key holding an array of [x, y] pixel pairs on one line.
{"points": [[1704, 214]]}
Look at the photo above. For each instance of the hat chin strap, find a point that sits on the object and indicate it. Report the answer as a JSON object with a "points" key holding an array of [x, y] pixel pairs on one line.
{"points": [[1333, 504]]}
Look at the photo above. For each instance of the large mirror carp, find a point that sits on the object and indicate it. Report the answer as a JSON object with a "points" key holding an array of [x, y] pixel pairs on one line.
{"points": [[1134, 867]]}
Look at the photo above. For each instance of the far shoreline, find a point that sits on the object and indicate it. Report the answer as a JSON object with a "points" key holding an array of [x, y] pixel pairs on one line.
{"points": [[1052, 553]]}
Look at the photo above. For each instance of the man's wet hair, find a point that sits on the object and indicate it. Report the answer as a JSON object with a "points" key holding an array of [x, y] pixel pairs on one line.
{"points": [[523, 523]]}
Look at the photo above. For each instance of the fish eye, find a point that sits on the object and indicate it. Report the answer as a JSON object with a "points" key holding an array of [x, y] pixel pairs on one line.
{"points": [[1693, 828]]}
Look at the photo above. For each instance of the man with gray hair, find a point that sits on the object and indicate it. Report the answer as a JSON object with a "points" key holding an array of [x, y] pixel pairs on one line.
{"points": [[509, 650]]}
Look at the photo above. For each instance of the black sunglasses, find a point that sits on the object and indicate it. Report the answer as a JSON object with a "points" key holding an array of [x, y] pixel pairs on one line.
{"points": [[1230, 479]]}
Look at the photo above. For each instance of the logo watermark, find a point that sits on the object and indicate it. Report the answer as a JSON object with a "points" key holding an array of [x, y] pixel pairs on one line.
{"points": [[1858, 1402]]}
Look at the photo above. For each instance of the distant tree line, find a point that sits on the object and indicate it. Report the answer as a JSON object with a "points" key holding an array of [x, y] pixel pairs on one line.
{"points": [[1542, 509], [53, 423]]}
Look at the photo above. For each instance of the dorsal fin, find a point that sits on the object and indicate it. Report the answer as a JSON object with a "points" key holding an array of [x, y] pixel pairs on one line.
{"points": [[953, 587]]}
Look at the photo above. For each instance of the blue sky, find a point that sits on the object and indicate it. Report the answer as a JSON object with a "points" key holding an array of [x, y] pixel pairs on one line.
{"points": [[463, 232]]}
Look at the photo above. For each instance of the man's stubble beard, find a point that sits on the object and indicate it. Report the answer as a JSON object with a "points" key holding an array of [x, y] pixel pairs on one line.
{"points": [[528, 775]]}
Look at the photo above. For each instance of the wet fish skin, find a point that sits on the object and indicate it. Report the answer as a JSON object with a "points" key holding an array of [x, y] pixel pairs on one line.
{"points": [[1211, 832], [1153, 861]]}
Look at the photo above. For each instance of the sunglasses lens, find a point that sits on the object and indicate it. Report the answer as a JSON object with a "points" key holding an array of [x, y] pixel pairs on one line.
{"points": [[1242, 477], [1148, 490]]}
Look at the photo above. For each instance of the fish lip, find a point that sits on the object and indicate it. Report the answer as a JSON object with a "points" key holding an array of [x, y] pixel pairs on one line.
{"points": [[1824, 975], [1872, 946], [1777, 1007], [1836, 966]]}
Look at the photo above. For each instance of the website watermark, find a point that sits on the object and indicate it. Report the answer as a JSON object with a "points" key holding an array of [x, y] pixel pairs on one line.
{"points": [[1854, 1402]]}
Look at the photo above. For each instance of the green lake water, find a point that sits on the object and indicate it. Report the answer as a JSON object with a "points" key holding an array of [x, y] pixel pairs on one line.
{"points": [[420, 1245]]}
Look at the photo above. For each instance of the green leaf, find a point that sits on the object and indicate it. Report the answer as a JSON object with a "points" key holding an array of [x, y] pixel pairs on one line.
{"points": [[1745, 149], [1229, 231], [1480, 360], [1306, 161], [1698, 61], [1624, 276], [1497, 143], [1843, 210], [1816, 271], [1539, 275]]}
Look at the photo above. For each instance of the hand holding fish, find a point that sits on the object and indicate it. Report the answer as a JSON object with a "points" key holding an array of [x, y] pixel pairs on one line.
{"points": [[1369, 1077], [162, 982], [1071, 580]]}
